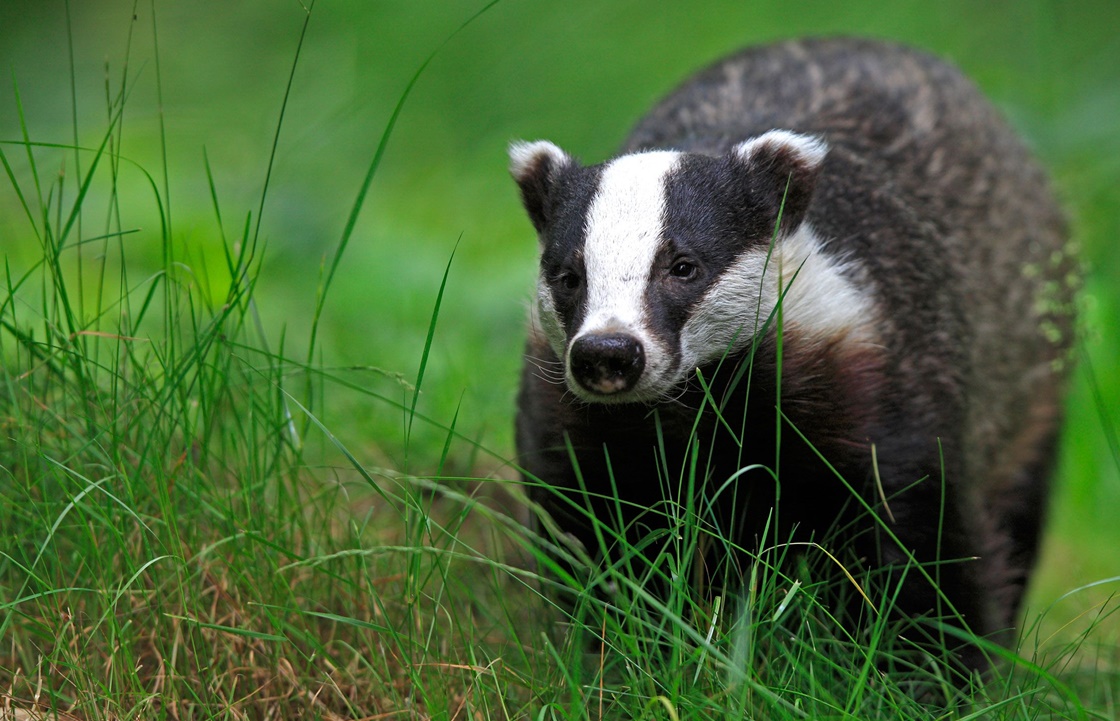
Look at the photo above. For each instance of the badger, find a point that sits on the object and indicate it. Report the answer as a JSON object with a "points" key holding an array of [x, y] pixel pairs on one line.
{"points": [[827, 276]]}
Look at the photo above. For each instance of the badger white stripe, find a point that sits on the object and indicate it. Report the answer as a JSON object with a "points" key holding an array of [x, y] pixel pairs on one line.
{"points": [[622, 236]]}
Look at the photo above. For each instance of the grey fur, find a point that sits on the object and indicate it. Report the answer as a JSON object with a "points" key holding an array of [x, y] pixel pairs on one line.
{"points": [[951, 227]]}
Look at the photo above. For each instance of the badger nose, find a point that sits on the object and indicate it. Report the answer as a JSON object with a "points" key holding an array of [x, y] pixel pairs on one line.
{"points": [[606, 364]]}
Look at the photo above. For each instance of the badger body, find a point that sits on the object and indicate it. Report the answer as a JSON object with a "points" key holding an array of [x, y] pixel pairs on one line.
{"points": [[822, 273]]}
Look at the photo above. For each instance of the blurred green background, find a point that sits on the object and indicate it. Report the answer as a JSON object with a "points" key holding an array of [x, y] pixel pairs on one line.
{"points": [[578, 72]]}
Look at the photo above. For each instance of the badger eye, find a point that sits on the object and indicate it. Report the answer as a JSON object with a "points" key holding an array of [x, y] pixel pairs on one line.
{"points": [[683, 269], [570, 280]]}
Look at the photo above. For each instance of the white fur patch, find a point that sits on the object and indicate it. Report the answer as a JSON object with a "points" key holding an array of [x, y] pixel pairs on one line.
{"points": [[547, 319], [623, 234], [810, 150], [523, 156], [821, 301]]}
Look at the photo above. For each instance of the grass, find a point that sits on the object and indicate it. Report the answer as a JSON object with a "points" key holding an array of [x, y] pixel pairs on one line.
{"points": [[206, 515]]}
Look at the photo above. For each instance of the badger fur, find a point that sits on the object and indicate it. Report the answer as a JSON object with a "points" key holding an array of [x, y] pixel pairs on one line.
{"points": [[859, 211]]}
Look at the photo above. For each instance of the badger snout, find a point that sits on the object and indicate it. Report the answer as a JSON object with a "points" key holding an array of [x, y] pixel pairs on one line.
{"points": [[607, 364]]}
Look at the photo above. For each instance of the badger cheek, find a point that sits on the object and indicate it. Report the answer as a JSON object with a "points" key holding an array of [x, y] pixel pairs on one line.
{"points": [[730, 313], [661, 376], [547, 319]]}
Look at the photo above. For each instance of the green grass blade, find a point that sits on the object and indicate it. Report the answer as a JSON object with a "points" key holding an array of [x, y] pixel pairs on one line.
{"points": [[379, 153], [427, 347]]}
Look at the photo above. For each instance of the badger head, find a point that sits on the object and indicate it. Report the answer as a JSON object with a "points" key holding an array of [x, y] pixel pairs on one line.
{"points": [[656, 263]]}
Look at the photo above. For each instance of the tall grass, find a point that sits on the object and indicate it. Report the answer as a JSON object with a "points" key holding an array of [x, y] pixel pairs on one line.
{"points": [[183, 535], [167, 549]]}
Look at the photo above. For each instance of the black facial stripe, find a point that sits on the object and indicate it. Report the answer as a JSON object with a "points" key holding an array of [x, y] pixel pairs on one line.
{"points": [[711, 202], [564, 238], [707, 220], [668, 300]]}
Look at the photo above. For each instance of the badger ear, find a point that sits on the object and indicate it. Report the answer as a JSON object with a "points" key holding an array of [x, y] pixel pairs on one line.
{"points": [[535, 167], [783, 168]]}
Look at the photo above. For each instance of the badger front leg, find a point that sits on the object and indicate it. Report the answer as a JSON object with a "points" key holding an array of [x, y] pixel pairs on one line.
{"points": [[933, 546]]}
